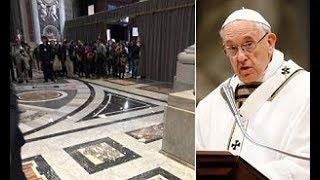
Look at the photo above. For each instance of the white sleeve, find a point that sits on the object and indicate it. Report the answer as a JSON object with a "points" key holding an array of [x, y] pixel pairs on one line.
{"points": [[199, 120], [298, 143]]}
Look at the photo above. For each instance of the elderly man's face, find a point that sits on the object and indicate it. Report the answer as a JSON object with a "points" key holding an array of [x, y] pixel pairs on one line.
{"points": [[249, 66]]}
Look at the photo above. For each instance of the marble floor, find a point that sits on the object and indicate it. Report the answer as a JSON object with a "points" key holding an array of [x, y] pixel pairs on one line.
{"points": [[94, 129]]}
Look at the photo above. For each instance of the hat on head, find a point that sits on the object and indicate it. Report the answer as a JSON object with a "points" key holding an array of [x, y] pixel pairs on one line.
{"points": [[245, 14]]}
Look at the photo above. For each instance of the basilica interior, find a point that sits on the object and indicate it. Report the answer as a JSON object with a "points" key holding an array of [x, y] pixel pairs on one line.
{"points": [[129, 117]]}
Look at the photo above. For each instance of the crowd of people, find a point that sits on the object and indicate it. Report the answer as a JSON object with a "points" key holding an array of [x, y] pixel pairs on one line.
{"points": [[74, 59]]}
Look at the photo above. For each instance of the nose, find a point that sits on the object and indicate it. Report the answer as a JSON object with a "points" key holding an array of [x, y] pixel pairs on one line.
{"points": [[241, 55]]}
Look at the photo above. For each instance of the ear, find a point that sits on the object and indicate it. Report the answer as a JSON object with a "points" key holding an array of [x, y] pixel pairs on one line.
{"points": [[272, 38]]}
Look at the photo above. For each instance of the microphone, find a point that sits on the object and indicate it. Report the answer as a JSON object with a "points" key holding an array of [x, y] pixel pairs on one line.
{"points": [[228, 95]]}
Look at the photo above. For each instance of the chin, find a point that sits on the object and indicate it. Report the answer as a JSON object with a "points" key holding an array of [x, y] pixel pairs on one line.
{"points": [[248, 79]]}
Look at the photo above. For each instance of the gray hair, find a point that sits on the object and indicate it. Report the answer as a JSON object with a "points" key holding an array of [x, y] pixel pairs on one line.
{"points": [[262, 27]]}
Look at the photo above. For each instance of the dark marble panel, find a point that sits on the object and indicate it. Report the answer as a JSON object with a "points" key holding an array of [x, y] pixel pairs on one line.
{"points": [[116, 104], [55, 104], [43, 167], [148, 134], [154, 172], [100, 154]]}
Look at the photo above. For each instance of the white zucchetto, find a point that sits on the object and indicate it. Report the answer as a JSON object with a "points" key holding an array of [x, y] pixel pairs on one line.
{"points": [[245, 14]]}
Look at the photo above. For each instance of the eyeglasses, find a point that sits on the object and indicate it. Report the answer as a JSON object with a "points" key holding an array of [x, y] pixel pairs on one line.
{"points": [[247, 47]]}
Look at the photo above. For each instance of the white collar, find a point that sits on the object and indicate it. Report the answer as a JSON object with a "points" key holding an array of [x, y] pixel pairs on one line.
{"points": [[274, 65]]}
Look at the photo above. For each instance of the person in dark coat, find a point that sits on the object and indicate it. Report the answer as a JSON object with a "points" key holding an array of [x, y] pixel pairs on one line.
{"points": [[63, 56], [46, 58], [123, 62], [135, 56]]}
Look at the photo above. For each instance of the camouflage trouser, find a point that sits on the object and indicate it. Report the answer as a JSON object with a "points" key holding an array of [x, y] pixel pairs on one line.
{"points": [[18, 70], [22, 72], [24, 75], [69, 67]]}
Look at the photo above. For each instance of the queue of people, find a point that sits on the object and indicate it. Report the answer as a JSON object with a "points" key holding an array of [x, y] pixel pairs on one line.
{"points": [[74, 59]]}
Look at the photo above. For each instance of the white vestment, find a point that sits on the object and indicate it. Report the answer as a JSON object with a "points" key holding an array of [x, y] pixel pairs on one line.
{"points": [[282, 122]]}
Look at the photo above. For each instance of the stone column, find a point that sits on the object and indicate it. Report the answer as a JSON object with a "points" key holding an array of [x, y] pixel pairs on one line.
{"points": [[24, 19], [15, 18], [36, 25], [62, 16], [178, 136], [184, 78]]}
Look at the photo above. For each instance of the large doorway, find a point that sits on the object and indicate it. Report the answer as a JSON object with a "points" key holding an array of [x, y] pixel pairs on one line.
{"points": [[118, 32]]}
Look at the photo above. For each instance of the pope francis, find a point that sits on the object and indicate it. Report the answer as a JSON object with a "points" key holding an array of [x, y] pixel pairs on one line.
{"points": [[271, 97]]}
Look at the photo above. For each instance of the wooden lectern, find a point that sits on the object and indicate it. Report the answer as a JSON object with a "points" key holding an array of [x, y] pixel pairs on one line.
{"points": [[223, 165]]}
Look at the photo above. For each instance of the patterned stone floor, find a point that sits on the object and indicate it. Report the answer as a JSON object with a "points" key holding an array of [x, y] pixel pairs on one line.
{"points": [[94, 129], [148, 134], [164, 88]]}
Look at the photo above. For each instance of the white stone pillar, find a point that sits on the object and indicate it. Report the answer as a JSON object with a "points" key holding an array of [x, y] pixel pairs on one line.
{"points": [[185, 76], [24, 19], [62, 17], [36, 25]]}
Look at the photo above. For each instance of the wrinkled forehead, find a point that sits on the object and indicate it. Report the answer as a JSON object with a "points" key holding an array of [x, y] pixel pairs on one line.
{"points": [[240, 29]]}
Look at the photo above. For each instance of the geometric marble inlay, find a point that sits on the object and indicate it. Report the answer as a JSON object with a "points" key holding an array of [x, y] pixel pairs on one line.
{"points": [[155, 174], [157, 177], [40, 95], [53, 103], [148, 134], [36, 168], [115, 104], [100, 154]]}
